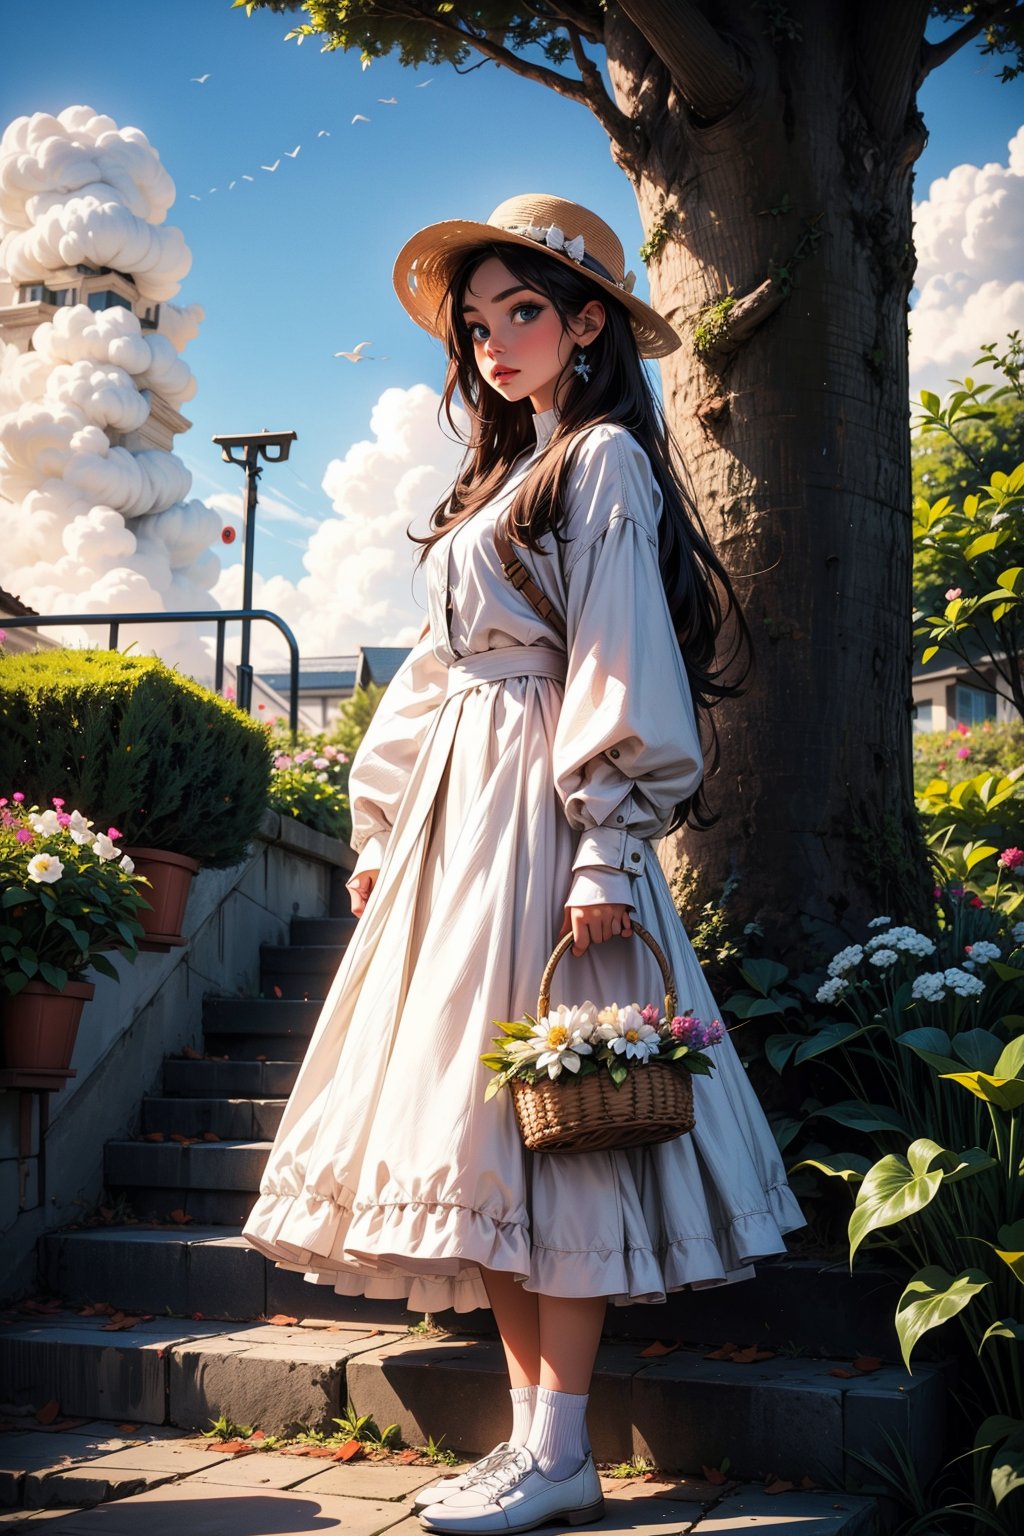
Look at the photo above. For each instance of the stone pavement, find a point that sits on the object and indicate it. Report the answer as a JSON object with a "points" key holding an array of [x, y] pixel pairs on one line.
{"points": [[94, 1478]]}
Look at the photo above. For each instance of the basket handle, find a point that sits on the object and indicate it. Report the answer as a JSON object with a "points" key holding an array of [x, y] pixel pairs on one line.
{"points": [[565, 944]]}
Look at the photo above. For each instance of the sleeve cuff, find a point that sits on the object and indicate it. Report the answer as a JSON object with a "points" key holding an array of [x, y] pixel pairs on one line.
{"points": [[612, 846], [593, 886], [371, 855]]}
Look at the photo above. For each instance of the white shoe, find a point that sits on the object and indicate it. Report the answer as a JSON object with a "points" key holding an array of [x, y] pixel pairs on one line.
{"points": [[456, 1481], [515, 1495]]}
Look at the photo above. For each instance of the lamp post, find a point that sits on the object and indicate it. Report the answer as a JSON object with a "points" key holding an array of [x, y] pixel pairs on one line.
{"points": [[251, 446]]}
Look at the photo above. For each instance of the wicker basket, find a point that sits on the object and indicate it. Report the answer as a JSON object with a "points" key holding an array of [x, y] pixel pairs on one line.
{"points": [[591, 1114]]}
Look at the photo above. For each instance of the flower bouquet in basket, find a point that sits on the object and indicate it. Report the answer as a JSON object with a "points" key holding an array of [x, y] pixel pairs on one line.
{"points": [[587, 1079]]}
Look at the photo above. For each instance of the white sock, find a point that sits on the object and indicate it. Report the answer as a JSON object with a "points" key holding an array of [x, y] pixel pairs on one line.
{"points": [[523, 1400], [558, 1432]]}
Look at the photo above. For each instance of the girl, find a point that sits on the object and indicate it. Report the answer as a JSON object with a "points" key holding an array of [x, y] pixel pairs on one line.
{"points": [[539, 737]]}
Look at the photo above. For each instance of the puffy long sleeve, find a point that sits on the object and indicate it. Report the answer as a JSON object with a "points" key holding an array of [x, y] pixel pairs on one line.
{"points": [[384, 760], [627, 747]]}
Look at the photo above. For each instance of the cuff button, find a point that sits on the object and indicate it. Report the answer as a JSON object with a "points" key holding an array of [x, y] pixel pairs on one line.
{"points": [[614, 752], [635, 857]]}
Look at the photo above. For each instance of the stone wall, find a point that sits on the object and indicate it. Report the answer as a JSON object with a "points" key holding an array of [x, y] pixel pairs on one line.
{"points": [[153, 1011]]}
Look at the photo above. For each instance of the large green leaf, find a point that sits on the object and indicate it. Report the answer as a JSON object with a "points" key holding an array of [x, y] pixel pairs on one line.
{"points": [[931, 1298], [1006, 1437], [898, 1187], [979, 1049], [763, 975], [839, 1032], [1004, 1084], [931, 1045], [851, 1166], [779, 1048], [1003, 1328], [865, 1117], [1010, 1247]]}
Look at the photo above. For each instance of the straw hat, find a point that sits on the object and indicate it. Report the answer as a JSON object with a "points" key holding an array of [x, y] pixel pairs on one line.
{"points": [[566, 231]]}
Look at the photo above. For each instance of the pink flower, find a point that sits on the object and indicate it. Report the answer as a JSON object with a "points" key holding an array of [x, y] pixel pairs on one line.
{"points": [[343, 757], [57, 801], [651, 1015], [113, 833], [1011, 858], [953, 592], [976, 901], [63, 818], [3, 636], [963, 752], [963, 730], [23, 835], [3, 802], [282, 761], [18, 796], [937, 894]]}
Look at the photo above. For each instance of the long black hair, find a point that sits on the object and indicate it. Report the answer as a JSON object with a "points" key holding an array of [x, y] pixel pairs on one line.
{"points": [[618, 390]]}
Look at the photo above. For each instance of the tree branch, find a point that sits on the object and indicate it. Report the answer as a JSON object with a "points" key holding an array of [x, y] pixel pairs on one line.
{"points": [[934, 54], [707, 68], [570, 15]]}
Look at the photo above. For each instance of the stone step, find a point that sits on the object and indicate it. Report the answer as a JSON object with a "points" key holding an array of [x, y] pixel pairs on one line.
{"points": [[232, 1119], [785, 1417], [159, 1478], [198, 1268], [322, 930], [202, 1165], [298, 972], [227, 1016], [228, 1079]]}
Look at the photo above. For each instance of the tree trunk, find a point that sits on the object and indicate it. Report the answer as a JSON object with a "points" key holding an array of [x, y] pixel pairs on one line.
{"points": [[791, 414]]}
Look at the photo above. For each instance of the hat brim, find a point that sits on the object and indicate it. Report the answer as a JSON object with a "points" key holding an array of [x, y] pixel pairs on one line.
{"points": [[427, 257]]}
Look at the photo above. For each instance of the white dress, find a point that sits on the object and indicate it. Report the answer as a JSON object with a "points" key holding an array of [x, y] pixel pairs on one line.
{"points": [[490, 792]]}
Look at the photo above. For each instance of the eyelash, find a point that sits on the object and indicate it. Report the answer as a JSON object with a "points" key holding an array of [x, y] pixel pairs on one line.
{"points": [[479, 323]]}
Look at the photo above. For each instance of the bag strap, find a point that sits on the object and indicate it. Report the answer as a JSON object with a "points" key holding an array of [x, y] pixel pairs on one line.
{"points": [[519, 576]]}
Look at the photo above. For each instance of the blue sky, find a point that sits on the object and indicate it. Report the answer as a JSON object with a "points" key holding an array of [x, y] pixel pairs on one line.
{"points": [[296, 265]]}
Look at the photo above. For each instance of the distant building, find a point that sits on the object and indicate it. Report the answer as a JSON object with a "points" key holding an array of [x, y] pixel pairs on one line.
{"points": [[947, 692], [29, 638], [325, 682]]}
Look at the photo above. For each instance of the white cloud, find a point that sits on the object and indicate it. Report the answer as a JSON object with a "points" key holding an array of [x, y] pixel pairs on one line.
{"points": [[361, 587], [968, 234]]}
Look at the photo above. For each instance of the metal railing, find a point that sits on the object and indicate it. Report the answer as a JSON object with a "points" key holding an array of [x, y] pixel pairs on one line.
{"points": [[219, 616]]}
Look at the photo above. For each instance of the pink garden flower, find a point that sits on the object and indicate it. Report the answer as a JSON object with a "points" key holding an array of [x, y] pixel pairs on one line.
{"points": [[23, 835], [1012, 859], [964, 752], [952, 593]]}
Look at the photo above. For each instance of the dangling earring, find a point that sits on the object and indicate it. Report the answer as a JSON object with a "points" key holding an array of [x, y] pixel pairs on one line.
{"points": [[581, 366]]}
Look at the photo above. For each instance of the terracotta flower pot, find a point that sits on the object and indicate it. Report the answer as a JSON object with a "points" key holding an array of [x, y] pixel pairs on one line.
{"points": [[171, 875], [40, 1024]]}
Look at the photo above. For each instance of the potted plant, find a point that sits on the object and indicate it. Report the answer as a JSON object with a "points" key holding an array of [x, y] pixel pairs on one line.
{"points": [[67, 895], [183, 773]]}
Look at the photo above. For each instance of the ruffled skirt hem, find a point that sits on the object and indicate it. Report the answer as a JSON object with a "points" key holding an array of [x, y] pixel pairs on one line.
{"points": [[432, 1253]]}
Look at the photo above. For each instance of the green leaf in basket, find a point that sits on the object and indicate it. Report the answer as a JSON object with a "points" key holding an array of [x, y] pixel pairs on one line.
{"points": [[518, 1029], [618, 1073]]}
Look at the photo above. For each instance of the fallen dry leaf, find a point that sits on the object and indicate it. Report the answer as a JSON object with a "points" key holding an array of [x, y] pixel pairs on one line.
{"points": [[808, 1482], [179, 1216], [838, 1370], [210, 1136], [258, 1434], [282, 1321], [723, 1352], [658, 1348], [405, 1457], [126, 1426], [185, 1141], [349, 1451], [190, 1054], [712, 1475], [48, 1412], [867, 1363], [234, 1447], [746, 1356], [153, 1136], [779, 1485], [119, 1322], [198, 1317]]}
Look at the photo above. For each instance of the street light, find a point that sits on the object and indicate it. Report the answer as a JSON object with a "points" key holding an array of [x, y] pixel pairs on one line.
{"points": [[252, 446]]}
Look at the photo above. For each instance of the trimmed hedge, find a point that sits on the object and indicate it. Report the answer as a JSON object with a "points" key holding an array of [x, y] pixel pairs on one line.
{"points": [[131, 743]]}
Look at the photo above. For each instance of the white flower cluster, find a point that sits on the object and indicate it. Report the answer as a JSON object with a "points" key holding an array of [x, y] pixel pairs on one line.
{"points": [[565, 1034], [846, 959], [931, 986], [879, 922], [832, 991], [905, 939], [982, 951], [46, 868], [883, 958]]}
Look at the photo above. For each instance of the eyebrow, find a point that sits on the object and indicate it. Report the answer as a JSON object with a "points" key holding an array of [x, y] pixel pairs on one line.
{"points": [[504, 294]]}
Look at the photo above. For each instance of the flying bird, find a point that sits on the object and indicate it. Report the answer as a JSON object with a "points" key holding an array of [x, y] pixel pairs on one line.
{"points": [[212, 189], [389, 101], [195, 197], [273, 167], [357, 355], [359, 118], [422, 83], [200, 79], [230, 185], [247, 178], [291, 153], [324, 133]]}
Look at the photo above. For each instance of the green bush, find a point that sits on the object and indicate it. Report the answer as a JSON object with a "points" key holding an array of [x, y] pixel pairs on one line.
{"points": [[965, 751], [310, 780], [131, 742]]}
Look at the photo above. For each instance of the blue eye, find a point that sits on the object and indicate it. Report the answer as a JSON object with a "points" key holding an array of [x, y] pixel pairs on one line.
{"points": [[478, 325]]}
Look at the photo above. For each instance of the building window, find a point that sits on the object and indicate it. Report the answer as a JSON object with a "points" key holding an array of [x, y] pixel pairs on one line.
{"points": [[108, 299], [973, 705], [38, 293], [923, 716], [150, 317]]}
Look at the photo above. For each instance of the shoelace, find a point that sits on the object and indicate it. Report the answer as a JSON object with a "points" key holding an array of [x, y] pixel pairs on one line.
{"points": [[509, 1467], [486, 1464]]}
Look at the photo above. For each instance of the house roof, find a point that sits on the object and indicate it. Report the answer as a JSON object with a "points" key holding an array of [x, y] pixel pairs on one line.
{"points": [[14, 605], [310, 681], [383, 661]]}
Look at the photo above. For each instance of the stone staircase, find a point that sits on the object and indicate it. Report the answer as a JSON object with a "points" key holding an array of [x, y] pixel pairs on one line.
{"points": [[198, 1344]]}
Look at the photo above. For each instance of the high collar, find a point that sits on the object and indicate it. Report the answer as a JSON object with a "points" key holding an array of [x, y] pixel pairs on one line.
{"points": [[544, 423]]}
